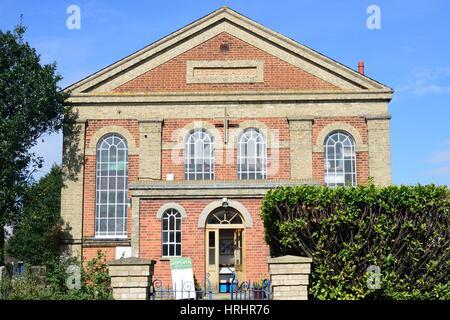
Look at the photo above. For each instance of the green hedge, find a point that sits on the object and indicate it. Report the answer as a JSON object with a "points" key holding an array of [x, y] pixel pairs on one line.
{"points": [[403, 230]]}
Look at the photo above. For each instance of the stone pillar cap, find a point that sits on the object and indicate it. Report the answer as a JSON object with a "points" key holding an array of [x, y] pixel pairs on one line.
{"points": [[290, 259], [131, 261]]}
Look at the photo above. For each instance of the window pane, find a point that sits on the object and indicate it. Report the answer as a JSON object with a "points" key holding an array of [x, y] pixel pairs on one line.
{"points": [[212, 256], [121, 210], [172, 223], [212, 239], [251, 155], [102, 211], [170, 235], [111, 203], [165, 250], [119, 225], [111, 211], [178, 248], [199, 156], [111, 225], [103, 183], [339, 160], [103, 224], [103, 197]]}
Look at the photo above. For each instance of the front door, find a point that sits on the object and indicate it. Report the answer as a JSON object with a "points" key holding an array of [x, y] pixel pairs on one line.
{"points": [[224, 250]]}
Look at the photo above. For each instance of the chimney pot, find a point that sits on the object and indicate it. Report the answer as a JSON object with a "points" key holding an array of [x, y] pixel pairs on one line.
{"points": [[361, 67]]}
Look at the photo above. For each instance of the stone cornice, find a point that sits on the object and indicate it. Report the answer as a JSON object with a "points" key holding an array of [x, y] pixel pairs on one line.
{"points": [[386, 116], [210, 189], [227, 97]]}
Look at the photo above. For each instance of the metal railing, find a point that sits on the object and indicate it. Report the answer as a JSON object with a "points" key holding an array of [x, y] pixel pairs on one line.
{"points": [[245, 290]]}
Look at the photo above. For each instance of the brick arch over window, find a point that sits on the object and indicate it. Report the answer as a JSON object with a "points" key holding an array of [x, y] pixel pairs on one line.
{"points": [[260, 126], [248, 221], [339, 126], [100, 133], [205, 125], [171, 205]]}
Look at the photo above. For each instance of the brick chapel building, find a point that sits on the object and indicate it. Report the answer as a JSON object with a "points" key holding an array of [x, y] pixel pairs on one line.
{"points": [[180, 141]]}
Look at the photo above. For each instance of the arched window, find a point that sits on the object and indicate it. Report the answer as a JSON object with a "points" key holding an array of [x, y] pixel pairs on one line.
{"points": [[199, 159], [252, 155], [340, 159], [171, 233], [224, 216], [111, 187]]}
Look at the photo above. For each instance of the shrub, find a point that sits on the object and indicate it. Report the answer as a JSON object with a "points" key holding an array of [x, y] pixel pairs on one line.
{"points": [[403, 230], [95, 283]]}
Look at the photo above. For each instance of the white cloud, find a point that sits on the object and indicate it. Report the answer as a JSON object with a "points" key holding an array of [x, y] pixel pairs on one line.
{"points": [[439, 160], [427, 81], [440, 156]]}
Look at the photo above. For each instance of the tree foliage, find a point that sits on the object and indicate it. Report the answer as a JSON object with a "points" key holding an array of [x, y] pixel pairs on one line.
{"points": [[404, 230], [31, 104], [36, 235]]}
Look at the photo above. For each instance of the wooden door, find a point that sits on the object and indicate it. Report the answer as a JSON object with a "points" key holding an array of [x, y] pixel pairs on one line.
{"points": [[212, 257]]}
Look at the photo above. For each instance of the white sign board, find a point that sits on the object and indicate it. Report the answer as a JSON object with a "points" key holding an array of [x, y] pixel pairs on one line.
{"points": [[123, 252], [182, 278]]}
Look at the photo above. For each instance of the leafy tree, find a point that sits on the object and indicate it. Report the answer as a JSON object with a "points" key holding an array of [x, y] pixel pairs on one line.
{"points": [[31, 104], [36, 235]]}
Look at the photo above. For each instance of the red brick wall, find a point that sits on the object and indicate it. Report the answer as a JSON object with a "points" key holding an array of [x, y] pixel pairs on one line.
{"points": [[91, 252], [362, 157], [278, 74], [225, 163], [193, 238]]}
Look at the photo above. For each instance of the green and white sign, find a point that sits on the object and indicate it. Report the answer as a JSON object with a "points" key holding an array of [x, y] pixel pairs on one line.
{"points": [[180, 263], [182, 278]]}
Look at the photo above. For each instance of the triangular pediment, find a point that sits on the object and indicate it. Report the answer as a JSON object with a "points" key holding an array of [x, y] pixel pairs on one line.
{"points": [[225, 51]]}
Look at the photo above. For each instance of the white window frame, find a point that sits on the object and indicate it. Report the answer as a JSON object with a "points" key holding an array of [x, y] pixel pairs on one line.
{"points": [[333, 177], [190, 167], [168, 213], [112, 177], [252, 135]]}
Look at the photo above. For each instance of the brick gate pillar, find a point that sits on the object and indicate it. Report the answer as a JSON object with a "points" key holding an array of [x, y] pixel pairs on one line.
{"points": [[289, 277], [131, 278]]}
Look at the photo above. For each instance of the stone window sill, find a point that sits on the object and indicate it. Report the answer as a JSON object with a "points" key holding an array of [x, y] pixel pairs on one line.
{"points": [[167, 258], [102, 242]]}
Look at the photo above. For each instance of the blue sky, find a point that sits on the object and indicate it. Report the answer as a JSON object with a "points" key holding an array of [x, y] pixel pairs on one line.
{"points": [[410, 53]]}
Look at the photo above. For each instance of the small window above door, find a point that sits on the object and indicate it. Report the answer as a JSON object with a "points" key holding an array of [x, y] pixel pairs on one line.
{"points": [[225, 216]]}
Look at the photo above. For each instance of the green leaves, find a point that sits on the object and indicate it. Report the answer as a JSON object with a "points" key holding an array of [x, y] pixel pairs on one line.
{"points": [[31, 104], [95, 282], [404, 230], [36, 234]]}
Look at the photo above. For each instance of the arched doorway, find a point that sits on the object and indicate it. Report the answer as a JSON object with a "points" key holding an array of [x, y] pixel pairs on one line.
{"points": [[224, 247]]}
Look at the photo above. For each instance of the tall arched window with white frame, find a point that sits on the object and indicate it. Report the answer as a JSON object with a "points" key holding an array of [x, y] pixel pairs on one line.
{"points": [[111, 209], [340, 159], [252, 155], [171, 233], [199, 156]]}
